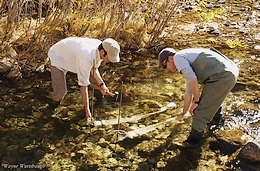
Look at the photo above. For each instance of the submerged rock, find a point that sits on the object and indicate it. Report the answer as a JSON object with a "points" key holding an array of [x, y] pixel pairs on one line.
{"points": [[149, 147]]}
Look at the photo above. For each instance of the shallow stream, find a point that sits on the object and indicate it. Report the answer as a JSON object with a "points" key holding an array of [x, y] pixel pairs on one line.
{"points": [[36, 137], [31, 133]]}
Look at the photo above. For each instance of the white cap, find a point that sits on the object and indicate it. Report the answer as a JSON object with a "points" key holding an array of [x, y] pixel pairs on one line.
{"points": [[112, 48]]}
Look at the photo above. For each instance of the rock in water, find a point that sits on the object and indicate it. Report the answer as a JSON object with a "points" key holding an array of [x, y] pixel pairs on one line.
{"points": [[5, 66], [250, 153]]}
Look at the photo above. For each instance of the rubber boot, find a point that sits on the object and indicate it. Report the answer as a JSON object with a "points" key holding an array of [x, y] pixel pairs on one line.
{"points": [[218, 120], [193, 139], [54, 104]]}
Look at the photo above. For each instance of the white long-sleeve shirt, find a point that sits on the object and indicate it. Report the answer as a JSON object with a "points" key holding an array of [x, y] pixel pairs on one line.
{"points": [[76, 54]]}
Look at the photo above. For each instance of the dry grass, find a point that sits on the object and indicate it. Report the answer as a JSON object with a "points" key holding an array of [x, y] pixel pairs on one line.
{"points": [[34, 25], [31, 27]]}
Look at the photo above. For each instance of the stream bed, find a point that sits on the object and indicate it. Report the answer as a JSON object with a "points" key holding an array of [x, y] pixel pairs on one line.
{"points": [[36, 137]]}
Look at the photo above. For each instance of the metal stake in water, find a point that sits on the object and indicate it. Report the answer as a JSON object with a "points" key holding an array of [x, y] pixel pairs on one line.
{"points": [[119, 114], [120, 104], [93, 92]]}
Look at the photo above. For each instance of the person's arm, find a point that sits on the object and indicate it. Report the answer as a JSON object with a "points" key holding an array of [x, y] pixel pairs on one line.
{"points": [[99, 80], [194, 86], [192, 90], [85, 100], [187, 102]]}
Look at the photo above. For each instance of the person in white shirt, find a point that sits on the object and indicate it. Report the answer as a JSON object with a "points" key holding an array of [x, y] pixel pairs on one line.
{"points": [[82, 56], [214, 71]]}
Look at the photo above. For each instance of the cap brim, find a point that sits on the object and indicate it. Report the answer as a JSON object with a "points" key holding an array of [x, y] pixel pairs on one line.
{"points": [[114, 59], [160, 66]]}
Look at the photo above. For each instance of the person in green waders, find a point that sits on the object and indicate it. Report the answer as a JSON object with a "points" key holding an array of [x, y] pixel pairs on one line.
{"points": [[214, 71]]}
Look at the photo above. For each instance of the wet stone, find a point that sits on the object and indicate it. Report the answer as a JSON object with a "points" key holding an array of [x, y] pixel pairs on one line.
{"points": [[250, 152], [10, 122], [232, 137], [5, 66], [102, 142], [14, 74], [228, 141], [149, 147]]}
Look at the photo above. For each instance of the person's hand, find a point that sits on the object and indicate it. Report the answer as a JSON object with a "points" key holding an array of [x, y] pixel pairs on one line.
{"points": [[90, 120], [104, 89], [192, 108], [181, 114], [88, 116]]}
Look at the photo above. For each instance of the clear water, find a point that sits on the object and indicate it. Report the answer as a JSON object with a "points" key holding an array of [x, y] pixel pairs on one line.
{"points": [[32, 133]]}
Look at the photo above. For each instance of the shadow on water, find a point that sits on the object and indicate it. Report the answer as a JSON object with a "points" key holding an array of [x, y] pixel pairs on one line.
{"points": [[26, 129]]}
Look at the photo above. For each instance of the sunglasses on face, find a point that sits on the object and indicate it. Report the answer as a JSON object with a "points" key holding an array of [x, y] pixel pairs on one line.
{"points": [[164, 66]]}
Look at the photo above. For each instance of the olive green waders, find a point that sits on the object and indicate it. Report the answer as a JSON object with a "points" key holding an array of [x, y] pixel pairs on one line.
{"points": [[218, 74]]}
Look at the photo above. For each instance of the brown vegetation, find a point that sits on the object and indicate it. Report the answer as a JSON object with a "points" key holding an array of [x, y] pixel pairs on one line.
{"points": [[32, 26]]}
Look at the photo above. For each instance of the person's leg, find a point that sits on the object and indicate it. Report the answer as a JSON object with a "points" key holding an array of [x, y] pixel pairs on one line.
{"points": [[217, 117], [97, 94], [213, 94], [58, 80], [218, 120]]}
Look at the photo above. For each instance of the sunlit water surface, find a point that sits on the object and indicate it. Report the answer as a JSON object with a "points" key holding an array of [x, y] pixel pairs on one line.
{"points": [[34, 134]]}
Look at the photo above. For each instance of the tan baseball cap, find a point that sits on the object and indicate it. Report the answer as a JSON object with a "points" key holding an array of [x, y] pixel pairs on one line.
{"points": [[112, 48], [164, 54]]}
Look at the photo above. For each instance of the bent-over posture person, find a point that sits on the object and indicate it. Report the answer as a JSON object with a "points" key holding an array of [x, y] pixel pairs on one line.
{"points": [[82, 56], [208, 67]]}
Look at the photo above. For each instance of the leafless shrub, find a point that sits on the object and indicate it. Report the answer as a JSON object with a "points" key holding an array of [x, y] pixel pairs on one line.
{"points": [[32, 26]]}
